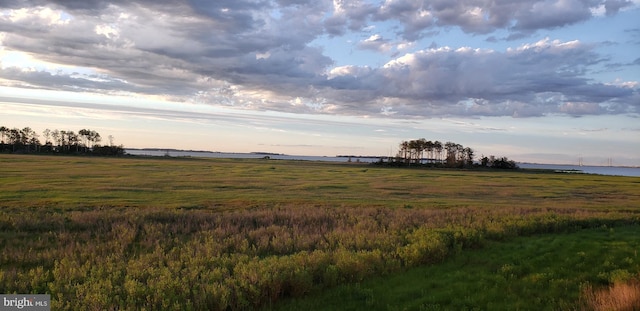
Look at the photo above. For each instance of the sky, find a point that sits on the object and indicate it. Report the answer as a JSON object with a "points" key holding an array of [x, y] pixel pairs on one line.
{"points": [[545, 81]]}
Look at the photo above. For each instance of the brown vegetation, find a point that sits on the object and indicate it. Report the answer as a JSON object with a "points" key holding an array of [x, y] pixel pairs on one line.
{"points": [[621, 296]]}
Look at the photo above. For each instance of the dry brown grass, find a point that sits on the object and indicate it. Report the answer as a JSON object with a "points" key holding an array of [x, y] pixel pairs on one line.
{"points": [[621, 296]]}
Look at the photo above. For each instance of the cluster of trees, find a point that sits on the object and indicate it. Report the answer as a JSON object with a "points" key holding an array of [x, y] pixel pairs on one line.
{"points": [[450, 154], [502, 162], [26, 140]]}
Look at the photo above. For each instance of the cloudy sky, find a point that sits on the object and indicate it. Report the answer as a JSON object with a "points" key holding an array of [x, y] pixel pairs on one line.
{"points": [[539, 80]]}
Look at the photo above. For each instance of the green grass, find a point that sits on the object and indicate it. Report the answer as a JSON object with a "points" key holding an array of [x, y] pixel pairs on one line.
{"points": [[541, 272], [225, 234], [76, 182]]}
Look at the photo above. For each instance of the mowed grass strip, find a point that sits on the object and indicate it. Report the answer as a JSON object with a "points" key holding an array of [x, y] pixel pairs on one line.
{"points": [[540, 272]]}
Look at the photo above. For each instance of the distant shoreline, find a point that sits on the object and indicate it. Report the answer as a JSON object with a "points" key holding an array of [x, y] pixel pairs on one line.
{"points": [[354, 156], [560, 168], [172, 150], [576, 165]]}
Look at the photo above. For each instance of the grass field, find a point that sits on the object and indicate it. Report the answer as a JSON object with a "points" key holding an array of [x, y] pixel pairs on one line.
{"points": [[226, 234], [540, 272]]}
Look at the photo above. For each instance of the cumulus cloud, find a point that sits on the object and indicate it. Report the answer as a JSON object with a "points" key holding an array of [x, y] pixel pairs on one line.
{"points": [[613, 6], [482, 17], [348, 15], [375, 43], [530, 80], [260, 54], [551, 14]]}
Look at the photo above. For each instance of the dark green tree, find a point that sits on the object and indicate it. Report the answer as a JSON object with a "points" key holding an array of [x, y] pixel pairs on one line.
{"points": [[3, 131]]}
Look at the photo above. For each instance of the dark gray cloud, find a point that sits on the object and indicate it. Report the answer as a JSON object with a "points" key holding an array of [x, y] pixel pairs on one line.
{"points": [[348, 15], [67, 82], [260, 54], [552, 14], [613, 6]]}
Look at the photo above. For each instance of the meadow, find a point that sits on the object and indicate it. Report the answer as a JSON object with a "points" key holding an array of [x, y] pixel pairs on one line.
{"points": [[231, 234]]}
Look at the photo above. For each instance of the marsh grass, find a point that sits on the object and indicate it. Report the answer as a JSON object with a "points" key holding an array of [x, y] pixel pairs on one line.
{"points": [[77, 182], [622, 295], [223, 234]]}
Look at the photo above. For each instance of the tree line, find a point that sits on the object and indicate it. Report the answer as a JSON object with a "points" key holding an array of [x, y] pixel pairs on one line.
{"points": [[436, 154], [85, 141]]}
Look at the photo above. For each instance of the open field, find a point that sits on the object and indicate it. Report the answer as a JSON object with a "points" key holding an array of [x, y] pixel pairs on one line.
{"points": [[218, 234], [540, 272], [79, 182]]}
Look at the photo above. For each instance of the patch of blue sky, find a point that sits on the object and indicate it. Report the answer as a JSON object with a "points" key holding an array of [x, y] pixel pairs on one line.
{"points": [[343, 51], [613, 42], [65, 16]]}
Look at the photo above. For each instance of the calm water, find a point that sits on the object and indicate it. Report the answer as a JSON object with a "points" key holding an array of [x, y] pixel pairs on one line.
{"points": [[245, 155], [601, 170]]}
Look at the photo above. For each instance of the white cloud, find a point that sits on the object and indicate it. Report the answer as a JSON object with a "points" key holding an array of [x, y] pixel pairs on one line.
{"points": [[108, 31], [185, 50], [375, 42], [39, 15], [349, 70]]}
